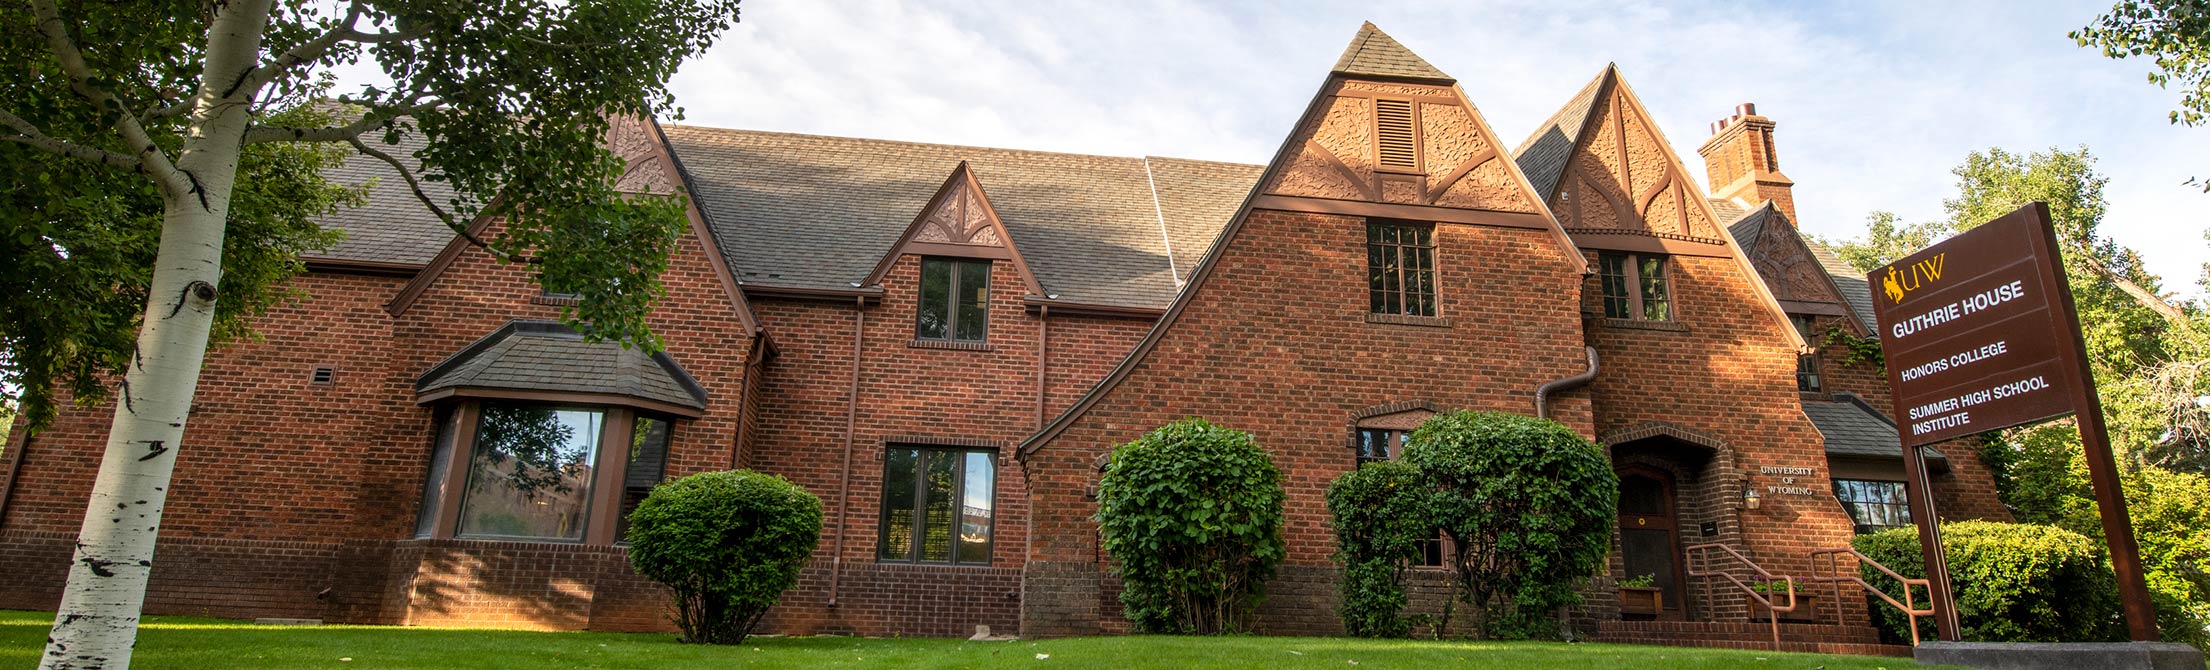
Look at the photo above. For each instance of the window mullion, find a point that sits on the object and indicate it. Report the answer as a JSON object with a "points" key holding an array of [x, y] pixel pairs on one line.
{"points": [[1633, 284], [920, 505], [957, 505]]}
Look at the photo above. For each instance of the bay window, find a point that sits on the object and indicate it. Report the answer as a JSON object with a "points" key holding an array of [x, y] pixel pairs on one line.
{"points": [[536, 471]]}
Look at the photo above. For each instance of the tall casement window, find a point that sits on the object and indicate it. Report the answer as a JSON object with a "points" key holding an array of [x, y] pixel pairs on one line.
{"points": [[1400, 268], [1874, 505], [938, 505], [1807, 365], [955, 300], [1635, 286], [540, 472]]}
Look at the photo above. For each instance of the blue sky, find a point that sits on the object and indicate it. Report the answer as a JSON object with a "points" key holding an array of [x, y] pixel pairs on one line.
{"points": [[1875, 101]]}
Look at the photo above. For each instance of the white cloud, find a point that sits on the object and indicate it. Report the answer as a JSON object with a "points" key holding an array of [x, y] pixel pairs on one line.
{"points": [[1875, 101]]}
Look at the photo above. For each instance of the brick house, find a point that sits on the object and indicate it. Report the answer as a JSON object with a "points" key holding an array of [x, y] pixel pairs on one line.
{"points": [[942, 342]]}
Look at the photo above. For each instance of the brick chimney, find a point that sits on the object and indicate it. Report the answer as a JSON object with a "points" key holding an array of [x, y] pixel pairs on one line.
{"points": [[1740, 162]]}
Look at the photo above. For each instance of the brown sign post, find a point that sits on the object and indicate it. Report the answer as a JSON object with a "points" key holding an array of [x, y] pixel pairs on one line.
{"points": [[1980, 334]]}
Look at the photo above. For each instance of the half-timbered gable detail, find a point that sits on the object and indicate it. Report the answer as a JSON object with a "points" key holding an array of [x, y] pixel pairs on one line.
{"points": [[958, 222]]}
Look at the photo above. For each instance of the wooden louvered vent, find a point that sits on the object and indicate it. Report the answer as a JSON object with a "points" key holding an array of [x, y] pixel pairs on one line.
{"points": [[1399, 144]]}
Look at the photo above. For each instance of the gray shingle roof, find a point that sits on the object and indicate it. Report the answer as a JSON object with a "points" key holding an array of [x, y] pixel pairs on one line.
{"points": [[809, 211], [1373, 53], [1747, 225], [1544, 154], [1852, 283], [547, 356], [1853, 428], [391, 226]]}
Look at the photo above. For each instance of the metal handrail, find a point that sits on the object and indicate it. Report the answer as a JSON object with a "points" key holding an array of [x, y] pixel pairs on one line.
{"points": [[1833, 573], [1701, 554]]}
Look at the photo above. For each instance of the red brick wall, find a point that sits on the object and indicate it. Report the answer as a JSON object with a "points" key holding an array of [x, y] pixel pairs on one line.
{"points": [[1725, 370], [909, 391], [267, 454], [1276, 343]]}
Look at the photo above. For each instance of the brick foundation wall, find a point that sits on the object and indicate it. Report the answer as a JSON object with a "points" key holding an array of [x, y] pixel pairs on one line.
{"points": [[894, 600]]}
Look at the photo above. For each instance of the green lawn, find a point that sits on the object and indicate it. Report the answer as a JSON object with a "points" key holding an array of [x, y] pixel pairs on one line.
{"points": [[181, 642]]}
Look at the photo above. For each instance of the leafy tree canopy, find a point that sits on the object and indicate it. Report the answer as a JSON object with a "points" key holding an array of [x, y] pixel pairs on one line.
{"points": [[2173, 33], [512, 98]]}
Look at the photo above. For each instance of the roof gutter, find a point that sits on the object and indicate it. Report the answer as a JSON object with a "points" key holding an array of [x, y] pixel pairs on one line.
{"points": [[1542, 393]]}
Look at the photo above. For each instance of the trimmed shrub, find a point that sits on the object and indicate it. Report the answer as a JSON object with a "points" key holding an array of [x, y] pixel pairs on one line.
{"points": [[1530, 506], [726, 544], [1381, 516], [1192, 513], [2014, 582]]}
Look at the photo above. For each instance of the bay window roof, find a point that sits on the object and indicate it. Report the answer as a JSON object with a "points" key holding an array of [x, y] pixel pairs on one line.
{"points": [[547, 361]]}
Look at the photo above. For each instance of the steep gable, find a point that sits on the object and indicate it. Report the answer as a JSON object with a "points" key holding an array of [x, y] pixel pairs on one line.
{"points": [[1400, 141], [1388, 146], [1787, 264], [958, 221], [1621, 187]]}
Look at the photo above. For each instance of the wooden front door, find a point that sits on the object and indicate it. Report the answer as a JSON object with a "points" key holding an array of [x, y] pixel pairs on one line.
{"points": [[1649, 534]]}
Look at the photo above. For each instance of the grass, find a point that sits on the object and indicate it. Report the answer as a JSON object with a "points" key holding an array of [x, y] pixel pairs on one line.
{"points": [[166, 642]]}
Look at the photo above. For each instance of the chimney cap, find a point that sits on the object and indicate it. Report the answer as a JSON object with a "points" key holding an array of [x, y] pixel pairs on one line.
{"points": [[1745, 109]]}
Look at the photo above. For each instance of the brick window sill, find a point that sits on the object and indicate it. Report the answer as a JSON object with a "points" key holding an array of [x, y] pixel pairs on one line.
{"points": [[1408, 320], [948, 344], [556, 300], [1639, 324]]}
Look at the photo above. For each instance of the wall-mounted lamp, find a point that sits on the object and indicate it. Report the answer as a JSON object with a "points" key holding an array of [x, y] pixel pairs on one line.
{"points": [[1749, 498]]}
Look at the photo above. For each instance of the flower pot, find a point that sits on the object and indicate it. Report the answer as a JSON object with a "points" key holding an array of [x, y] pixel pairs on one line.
{"points": [[1641, 600], [1806, 611]]}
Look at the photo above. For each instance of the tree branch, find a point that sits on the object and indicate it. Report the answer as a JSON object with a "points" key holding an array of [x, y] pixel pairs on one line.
{"points": [[150, 159], [341, 31], [344, 133], [423, 196], [2142, 295], [30, 135]]}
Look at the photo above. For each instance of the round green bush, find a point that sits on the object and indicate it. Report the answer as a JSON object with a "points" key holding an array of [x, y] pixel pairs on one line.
{"points": [[1529, 505], [726, 544], [1192, 514], [1380, 514], [2014, 582]]}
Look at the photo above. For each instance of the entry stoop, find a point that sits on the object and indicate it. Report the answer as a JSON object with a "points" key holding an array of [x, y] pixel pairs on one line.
{"points": [[1796, 637]]}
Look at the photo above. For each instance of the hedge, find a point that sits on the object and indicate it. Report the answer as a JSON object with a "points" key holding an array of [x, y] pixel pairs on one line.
{"points": [[2013, 582]]}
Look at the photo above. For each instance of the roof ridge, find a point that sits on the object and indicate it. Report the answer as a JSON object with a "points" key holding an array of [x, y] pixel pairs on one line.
{"points": [[936, 145]]}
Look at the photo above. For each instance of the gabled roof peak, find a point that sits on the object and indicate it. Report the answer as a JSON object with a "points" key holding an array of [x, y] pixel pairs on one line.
{"points": [[1373, 53]]}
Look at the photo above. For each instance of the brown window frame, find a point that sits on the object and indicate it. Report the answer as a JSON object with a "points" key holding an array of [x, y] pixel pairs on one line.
{"points": [[1851, 506], [951, 300], [1636, 292], [1421, 251], [1809, 377], [920, 507], [601, 511]]}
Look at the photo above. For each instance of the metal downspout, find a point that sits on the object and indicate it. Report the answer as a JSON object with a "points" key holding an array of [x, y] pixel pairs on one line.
{"points": [[1542, 393], [851, 423]]}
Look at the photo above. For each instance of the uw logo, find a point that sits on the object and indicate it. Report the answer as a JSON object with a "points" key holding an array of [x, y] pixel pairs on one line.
{"points": [[1899, 284]]}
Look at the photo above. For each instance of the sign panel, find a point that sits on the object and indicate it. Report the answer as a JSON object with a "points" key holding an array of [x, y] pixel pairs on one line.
{"points": [[1974, 333]]}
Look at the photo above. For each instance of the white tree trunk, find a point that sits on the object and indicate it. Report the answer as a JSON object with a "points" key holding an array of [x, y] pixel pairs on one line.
{"points": [[97, 624]]}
